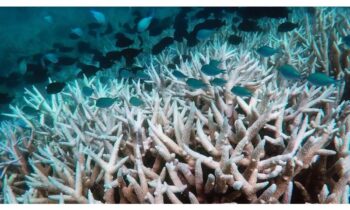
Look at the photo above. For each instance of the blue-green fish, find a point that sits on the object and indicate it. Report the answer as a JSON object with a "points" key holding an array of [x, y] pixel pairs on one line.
{"points": [[214, 63], [105, 102], [204, 34], [289, 72], [211, 70], [179, 74], [144, 23], [241, 91], [135, 101], [267, 51], [218, 82], [87, 91], [195, 83], [321, 79]]}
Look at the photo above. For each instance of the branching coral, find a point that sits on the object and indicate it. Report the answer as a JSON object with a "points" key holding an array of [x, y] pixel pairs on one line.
{"points": [[288, 143]]}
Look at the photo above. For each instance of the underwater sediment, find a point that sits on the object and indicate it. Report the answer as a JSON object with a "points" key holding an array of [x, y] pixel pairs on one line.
{"points": [[235, 113]]}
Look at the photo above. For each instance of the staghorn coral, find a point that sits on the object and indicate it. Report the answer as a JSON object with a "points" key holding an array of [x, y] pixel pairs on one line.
{"points": [[288, 143]]}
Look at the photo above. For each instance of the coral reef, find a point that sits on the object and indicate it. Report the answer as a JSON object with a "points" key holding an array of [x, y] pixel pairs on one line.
{"points": [[288, 143]]}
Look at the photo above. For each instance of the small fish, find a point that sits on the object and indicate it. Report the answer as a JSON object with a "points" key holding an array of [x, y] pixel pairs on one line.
{"points": [[234, 39], [51, 57], [30, 110], [195, 83], [135, 101], [215, 63], [66, 61], [346, 40], [161, 45], [241, 91], [249, 26], [105, 102], [218, 82], [211, 70], [204, 34], [267, 51], [179, 74], [55, 87], [321, 79], [287, 26], [129, 54], [123, 41], [99, 17], [87, 91], [289, 72], [144, 23], [76, 33]]}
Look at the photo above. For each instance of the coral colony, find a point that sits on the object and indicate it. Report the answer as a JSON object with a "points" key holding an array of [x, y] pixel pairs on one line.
{"points": [[229, 109]]}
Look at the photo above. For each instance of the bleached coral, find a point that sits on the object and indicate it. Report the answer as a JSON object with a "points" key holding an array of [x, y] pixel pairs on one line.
{"points": [[288, 143]]}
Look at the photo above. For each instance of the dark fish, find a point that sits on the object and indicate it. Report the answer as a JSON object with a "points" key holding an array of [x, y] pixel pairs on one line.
{"points": [[123, 41], [129, 54], [234, 39], [161, 45], [55, 87], [66, 61], [13, 80], [171, 66], [346, 40], [321, 79], [105, 102], [179, 74], [104, 62], [249, 26], [5, 98], [287, 26], [35, 74], [260, 12], [208, 11], [181, 25], [289, 72], [87, 91], [114, 55], [30, 110], [218, 82], [94, 26], [241, 91], [135, 101], [195, 83], [87, 70], [267, 51], [211, 70], [84, 47], [159, 25], [65, 49]]}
